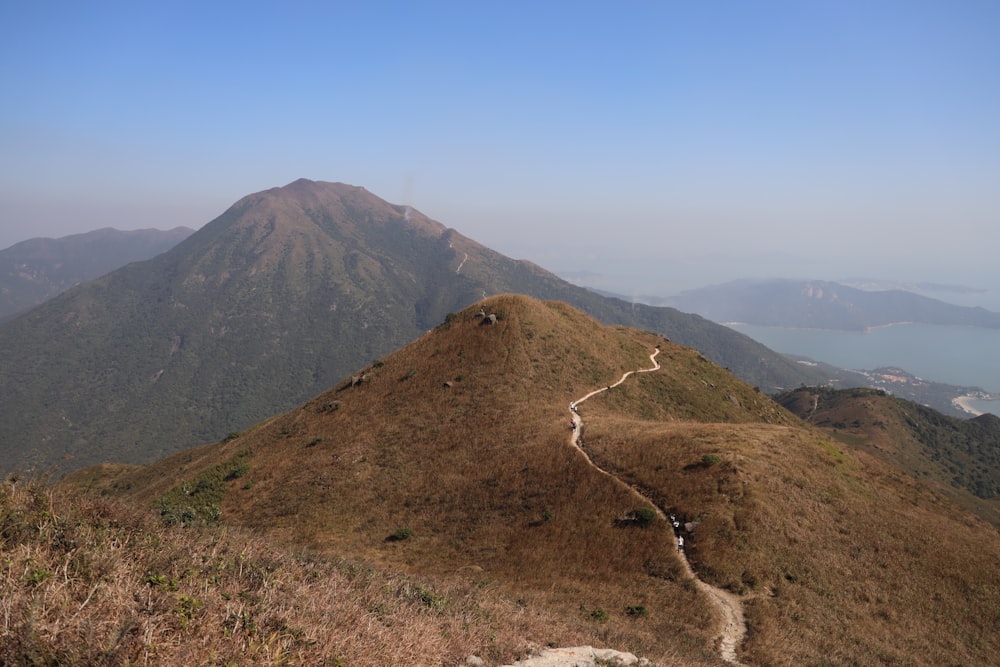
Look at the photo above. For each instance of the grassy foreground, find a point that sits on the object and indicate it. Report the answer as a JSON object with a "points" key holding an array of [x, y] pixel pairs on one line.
{"points": [[88, 581]]}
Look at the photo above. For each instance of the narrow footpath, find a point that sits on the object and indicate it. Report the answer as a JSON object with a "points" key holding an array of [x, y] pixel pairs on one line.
{"points": [[727, 606]]}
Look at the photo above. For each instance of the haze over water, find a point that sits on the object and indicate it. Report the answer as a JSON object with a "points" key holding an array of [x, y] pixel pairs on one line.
{"points": [[962, 356]]}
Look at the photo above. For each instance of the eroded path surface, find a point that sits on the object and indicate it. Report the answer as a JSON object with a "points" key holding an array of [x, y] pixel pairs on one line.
{"points": [[728, 607]]}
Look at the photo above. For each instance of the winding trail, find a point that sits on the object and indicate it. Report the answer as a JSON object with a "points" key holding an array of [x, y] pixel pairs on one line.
{"points": [[727, 605]]}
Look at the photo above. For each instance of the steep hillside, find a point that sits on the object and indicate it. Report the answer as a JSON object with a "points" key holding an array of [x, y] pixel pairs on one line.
{"points": [[269, 304], [452, 458], [959, 456], [819, 304], [96, 582], [38, 269]]}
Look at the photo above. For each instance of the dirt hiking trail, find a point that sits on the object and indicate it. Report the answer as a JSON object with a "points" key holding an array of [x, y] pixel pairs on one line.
{"points": [[727, 605]]}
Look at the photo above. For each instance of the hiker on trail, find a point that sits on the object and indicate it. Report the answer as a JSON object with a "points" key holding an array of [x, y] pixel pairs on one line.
{"points": [[680, 543], [572, 425]]}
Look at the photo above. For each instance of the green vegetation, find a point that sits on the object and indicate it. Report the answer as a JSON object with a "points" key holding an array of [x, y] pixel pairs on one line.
{"points": [[200, 500], [599, 615], [636, 611], [278, 299], [644, 516], [963, 453], [399, 535]]}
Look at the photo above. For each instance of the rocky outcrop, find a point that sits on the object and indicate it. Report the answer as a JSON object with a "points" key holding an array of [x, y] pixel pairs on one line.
{"points": [[580, 656]]}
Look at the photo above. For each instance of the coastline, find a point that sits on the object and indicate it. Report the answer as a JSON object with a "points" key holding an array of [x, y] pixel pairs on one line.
{"points": [[873, 327], [962, 403]]}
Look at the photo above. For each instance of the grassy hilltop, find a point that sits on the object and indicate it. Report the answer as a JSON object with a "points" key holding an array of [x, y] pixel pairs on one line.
{"points": [[449, 460]]}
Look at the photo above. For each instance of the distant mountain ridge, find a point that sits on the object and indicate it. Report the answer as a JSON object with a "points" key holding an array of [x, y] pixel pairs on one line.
{"points": [[819, 304], [38, 269], [284, 294]]}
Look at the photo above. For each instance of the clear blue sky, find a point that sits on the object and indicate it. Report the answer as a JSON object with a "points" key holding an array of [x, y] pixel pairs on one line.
{"points": [[662, 144]]}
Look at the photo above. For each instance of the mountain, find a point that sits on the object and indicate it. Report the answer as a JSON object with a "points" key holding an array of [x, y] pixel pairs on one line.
{"points": [[38, 269], [451, 460], [267, 305], [818, 304], [960, 456]]}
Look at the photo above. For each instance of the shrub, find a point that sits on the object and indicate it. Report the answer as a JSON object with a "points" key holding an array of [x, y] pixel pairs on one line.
{"points": [[37, 576], [200, 500], [644, 516], [399, 535], [636, 611], [710, 459], [429, 598]]}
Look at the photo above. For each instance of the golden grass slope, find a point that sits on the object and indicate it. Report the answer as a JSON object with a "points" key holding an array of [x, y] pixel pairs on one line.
{"points": [[450, 459], [90, 581]]}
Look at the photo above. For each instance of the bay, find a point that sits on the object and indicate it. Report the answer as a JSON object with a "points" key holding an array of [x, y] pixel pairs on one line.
{"points": [[961, 356]]}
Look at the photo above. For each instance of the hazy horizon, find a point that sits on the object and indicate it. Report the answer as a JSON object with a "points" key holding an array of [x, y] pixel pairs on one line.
{"points": [[655, 147]]}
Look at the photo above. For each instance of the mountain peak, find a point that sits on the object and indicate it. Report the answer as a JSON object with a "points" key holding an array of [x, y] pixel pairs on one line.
{"points": [[304, 201], [283, 294]]}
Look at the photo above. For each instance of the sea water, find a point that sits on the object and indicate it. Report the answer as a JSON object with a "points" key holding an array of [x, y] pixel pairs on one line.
{"points": [[956, 355]]}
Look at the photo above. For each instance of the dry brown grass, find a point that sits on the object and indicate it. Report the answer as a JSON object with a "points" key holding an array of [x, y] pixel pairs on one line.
{"points": [[92, 582], [838, 552], [842, 558]]}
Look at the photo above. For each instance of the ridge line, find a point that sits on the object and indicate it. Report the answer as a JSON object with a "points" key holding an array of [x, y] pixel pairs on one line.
{"points": [[726, 604]]}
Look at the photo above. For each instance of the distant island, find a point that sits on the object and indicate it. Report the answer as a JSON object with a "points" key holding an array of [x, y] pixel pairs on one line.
{"points": [[818, 304]]}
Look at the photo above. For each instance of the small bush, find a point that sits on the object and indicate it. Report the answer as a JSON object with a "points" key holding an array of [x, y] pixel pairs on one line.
{"points": [[200, 499], [599, 615], [636, 611], [188, 606], [37, 576], [644, 516], [399, 535], [710, 459], [430, 599]]}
